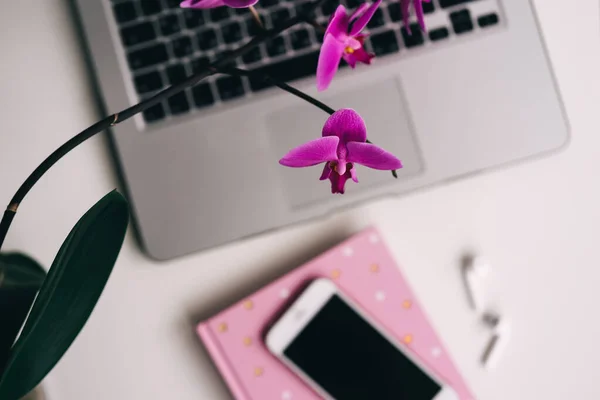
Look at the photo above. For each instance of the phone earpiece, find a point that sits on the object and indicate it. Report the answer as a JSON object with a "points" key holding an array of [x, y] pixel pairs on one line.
{"points": [[474, 270]]}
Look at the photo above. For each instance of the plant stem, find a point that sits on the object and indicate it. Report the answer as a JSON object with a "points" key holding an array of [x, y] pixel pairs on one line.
{"points": [[281, 85], [256, 17], [121, 116]]}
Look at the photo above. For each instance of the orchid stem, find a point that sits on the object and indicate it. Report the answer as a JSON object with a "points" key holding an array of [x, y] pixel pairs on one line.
{"points": [[282, 85], [123, 115], [256, 17]]}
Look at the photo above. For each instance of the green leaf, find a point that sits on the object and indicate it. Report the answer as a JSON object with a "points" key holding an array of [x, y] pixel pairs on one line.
{"points": [[17, 269], [20, 279], [68, 296]]}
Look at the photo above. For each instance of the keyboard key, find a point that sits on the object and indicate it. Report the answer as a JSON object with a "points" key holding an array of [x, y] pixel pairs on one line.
{"points": [[125, 12], [287, 70], [461, 21], [172, 3], [138, 33], [384, 43], [450, 3], [182, 46], [148, 56], [230, 64], [169, 24], [487, 20], [329, 7], [207, 39], [199, 64], [202, 95], [230, 87], [279, 16], [219, 14], [268, 3], [276, 47], [252, 27], [178, 103], [302, 8], [193, 18], [377, 19], [352, 4], [232, 32], [148, 82], [320, 35], [176, 73], [438, 34], [395, 11], [252, 56], [151, 7], [413, 39], [300, 39], [154, 113], [428, 8]]}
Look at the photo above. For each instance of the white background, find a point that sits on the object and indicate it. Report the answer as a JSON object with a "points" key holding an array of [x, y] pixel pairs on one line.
{"points": [[538, 222]]}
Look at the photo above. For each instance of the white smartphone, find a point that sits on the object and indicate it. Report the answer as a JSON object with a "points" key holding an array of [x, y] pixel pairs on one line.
{"points": [[342, 354]]}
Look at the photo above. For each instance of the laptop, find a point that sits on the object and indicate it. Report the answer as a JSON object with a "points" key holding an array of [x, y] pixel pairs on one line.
{"points": [[473, 92]]}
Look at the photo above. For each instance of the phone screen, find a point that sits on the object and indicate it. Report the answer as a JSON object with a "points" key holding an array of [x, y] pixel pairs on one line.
{"points": [[350, 359]]}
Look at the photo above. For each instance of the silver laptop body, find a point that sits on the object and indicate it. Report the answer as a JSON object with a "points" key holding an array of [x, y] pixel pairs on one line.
{"points": [[473, 92]]}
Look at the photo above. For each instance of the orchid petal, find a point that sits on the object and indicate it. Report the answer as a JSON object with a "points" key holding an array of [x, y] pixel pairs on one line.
{"points": [[201, 3], [350, 59], [353, 174], [405, 4], [338, 26], [364, 19], [361, 37], [338, 183], [363, 56], [353, 43], [240, 3], [329, 60], [311, 153], [357, 13], [335, 179], [419, 12], [326, 172], [347, 125], [372, 156]]}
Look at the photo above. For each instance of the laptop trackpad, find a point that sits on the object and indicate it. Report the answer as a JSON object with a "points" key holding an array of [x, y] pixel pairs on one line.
{"points": [[381, 104]]}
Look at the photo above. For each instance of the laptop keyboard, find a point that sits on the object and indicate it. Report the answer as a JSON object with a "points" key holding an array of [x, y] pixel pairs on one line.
{"points": [[164, 43]]}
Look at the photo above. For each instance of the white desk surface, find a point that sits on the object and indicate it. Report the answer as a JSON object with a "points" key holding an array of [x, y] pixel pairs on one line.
{"points": [[538, 222]]}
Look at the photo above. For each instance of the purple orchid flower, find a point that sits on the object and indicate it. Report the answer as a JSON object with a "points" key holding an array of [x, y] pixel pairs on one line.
{"points": [[418, 6], [343, 40], [217, 3], [342, 146]]}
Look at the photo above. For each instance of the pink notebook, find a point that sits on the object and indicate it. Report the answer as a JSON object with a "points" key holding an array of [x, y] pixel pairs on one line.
{"points": [[364, 270]]}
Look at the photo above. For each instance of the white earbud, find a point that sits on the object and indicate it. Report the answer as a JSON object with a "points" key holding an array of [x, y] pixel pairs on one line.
{"points": [[474, 271], [500, 336]]}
